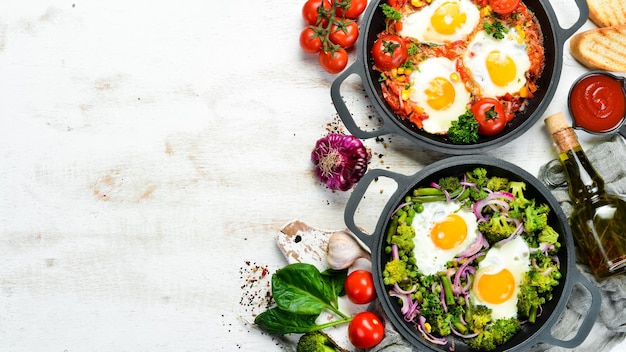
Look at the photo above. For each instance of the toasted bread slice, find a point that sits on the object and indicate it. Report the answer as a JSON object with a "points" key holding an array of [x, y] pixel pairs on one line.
{"points": [[601, 48], [606, 13]]}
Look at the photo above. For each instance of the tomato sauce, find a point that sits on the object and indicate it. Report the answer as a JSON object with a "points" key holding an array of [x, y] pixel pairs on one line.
{"points": [[597, 102]]}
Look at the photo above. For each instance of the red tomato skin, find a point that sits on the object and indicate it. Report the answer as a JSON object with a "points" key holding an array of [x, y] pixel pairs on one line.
{"points": [[386, 60], [354, 11], [359, 286], [503, 7], [333, 61], [345, 39], [310, 42], [489, 126], [310, 11], [366, 330]]}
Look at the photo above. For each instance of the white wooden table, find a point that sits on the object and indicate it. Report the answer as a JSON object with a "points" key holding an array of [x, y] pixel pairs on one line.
{"points": [[149, 150]]}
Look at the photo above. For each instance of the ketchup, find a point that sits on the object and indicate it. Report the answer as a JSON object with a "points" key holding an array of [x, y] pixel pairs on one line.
{"points": [[597, 102]]}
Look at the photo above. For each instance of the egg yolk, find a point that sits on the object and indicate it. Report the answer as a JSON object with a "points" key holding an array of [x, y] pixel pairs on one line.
{"points": [[501, 68], [449, 233], [447, 18], [496, 288], [440, 93]]}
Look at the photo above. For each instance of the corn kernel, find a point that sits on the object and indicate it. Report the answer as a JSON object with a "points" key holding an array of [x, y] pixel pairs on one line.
{"points": [[405, 94], [427, 327], [454, 77], [408, 71], [417, 3], [523, 92], [400, 70], [394, 72], [485, 11]]}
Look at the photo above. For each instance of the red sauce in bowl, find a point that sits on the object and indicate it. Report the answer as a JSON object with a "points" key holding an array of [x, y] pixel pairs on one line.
{"points": [[597, 102]]}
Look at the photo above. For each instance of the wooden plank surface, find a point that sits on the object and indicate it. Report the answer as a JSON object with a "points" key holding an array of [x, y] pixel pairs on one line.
{"points": [[151, 151]]}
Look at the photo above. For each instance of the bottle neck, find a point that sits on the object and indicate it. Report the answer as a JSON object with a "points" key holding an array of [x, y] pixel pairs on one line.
{"points": [[584, 182]]}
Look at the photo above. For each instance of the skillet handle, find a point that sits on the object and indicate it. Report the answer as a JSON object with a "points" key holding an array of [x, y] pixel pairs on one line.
{"points": [[342, 108], [589, 319], [357, 195], [562, 34]]}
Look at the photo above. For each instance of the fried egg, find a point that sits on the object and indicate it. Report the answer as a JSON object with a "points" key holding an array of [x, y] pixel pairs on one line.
{"points": [[437, 88], [442, 21], [498, 66], [442, 230], [498, 277]]}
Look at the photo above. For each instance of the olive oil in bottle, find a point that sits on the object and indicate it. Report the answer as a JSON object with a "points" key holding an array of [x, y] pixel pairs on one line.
{"points": [[598, 219]]}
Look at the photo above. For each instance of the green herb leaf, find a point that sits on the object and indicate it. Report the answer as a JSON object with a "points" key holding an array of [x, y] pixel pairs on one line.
{"points": [[495, 29], [390, 12], [464, 130], [276, 321], [301, 289]]}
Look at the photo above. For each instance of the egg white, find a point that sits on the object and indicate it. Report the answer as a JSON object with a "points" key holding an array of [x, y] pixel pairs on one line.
{"points": [[418, 25], [438, 121], [514, 256], [429, 258], [475, 58]]}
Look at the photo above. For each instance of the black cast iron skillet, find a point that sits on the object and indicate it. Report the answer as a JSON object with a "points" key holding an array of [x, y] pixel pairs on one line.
{"points": [[373, 22], [531, 334]]}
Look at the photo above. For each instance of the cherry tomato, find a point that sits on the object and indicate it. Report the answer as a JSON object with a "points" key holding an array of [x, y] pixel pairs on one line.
{"points": [[345, 34], [503, 7], [310, 41], [366, 330], [490, 116], [389, 52], [353, 11], [310, 12], [359, 287], [333, 61]]}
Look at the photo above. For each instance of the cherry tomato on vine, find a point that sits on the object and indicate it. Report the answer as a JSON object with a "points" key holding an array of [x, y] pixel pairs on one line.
{"points": [[310, 41], [310, 12], [490, 116], [503, 7], [333, 61], [389, 52], [344, 34], [355, 9], [366, 330], [359, 286]]}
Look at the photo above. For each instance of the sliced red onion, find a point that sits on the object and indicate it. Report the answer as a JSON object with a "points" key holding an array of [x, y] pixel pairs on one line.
{"points": [[465, 336], [475, 247], [398, 289], [406, 301]]}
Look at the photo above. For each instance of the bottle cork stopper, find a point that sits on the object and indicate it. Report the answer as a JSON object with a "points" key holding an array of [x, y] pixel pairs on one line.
{"points": [[556, 123], [561, 131]]}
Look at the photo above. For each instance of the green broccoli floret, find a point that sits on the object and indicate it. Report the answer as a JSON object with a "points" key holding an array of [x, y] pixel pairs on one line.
{"points": [[497, 228], [548, 235], [528, 301], [517, 188], [395, 271], [495, 334], [315, 342], [545, 277], [520, 202], [535, 217], [478, 317], [478, 176], [449, 183], [403, 238], [496, 183], [441, 324]]}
